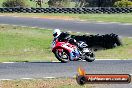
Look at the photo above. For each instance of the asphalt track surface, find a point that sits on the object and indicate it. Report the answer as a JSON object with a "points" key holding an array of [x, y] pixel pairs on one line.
{"points": [[57, 69], [70, 25]]}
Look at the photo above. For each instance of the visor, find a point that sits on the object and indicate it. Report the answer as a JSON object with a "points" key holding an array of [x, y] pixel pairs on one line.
{"points": [[55, 34]]}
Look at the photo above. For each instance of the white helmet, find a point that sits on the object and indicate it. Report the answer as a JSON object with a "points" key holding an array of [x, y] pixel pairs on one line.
{"points": [[56, 33]]}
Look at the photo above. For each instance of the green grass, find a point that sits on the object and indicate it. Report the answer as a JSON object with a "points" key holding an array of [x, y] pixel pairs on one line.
{"points": [[122, 52], [123, 18], [24, 44], [33, 44]]}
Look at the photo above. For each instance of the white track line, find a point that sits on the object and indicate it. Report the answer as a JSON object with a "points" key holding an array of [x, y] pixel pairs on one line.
{"points": [[49, 29], [75, 62], [16, 16], [83, 22], [9, 62], [33, 27], [41, 28], [102, 23], [55, 61], [69, 31], [109, 59], [4, 79], [129, 37], [78, 32], [35, 17], [29, 78], [114, 22], [24, 26], [26, 78], [49, 77], [87, 33], [127, 24]]}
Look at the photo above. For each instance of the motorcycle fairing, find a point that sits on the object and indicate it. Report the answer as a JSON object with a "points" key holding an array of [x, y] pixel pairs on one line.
{"points": [[72, 49], [74, 55]]}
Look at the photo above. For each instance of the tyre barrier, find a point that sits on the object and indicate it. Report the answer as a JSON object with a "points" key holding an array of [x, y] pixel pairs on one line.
{"points": [[106, 41], [108, 10]]}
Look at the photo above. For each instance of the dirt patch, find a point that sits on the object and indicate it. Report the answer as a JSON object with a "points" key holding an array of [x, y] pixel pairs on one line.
{"points": [[42, 83], [56, 83]]}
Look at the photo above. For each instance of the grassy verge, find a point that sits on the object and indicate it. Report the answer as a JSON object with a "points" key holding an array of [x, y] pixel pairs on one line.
{"points": [[32, 44], [121, 52], [123, 18], [25, 44], [43, 83]]}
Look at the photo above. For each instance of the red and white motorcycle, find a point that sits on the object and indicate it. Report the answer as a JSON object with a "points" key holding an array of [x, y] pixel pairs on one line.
{"points": [[65, 52]]}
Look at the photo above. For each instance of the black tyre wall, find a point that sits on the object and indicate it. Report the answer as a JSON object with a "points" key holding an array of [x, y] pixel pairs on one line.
{"points": [[107, 41], [100, 10]]}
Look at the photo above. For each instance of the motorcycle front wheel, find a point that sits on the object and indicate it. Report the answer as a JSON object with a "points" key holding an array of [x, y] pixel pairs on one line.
{"points": [[62, 55]]}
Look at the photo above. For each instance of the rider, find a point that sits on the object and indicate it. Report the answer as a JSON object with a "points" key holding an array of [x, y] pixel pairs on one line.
{"points": [[63, 36]]}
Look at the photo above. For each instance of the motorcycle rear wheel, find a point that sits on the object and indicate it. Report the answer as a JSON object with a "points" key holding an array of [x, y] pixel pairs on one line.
{"points": [[63, 56], [90, 58]]}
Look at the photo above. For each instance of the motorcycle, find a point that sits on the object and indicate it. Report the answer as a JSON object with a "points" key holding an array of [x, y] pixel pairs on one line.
{"points": [[65, 52]]}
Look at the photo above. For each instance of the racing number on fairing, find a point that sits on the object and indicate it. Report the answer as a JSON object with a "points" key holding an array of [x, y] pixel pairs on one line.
{"points": [[67, 46]]}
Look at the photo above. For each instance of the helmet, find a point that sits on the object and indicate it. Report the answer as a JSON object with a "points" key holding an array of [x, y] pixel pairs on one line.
{"points": [[56, 33]]}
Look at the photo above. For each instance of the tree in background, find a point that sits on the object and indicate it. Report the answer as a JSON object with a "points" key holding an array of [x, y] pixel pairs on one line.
{"points": [[81, 3], [14, 3], [38, 2], [94, 3], [123, 3], [59, 3]]}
